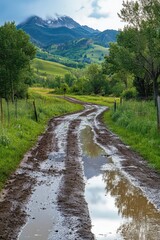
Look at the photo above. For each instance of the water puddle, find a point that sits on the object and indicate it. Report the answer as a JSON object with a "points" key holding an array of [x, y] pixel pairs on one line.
{"points": [[118, 210]]}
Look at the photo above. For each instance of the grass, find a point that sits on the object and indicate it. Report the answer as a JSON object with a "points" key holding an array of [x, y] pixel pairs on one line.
{"points": [[21, 133], [49, 68], [105, 101], [135, 122], [97, 53]]}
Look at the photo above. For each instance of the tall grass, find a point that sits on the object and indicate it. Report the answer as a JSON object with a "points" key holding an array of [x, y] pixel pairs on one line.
{"points": [[19, 134], [136, 123]]}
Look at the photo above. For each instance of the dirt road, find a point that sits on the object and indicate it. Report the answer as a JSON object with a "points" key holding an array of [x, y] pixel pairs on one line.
{"points": [[44, 198]]}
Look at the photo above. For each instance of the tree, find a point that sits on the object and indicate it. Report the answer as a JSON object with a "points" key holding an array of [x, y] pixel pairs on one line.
{"points": [[16, 52], [96, 78], [143, 17]]}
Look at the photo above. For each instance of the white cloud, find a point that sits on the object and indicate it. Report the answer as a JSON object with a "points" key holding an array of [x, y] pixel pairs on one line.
{"points": [[100, 14], [97, 11]]}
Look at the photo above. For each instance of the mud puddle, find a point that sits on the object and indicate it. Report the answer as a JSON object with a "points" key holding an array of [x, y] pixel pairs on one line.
{"points": [[118, 209]]}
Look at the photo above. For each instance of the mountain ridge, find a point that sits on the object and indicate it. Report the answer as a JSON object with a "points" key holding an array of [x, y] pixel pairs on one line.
{"points": [[45, 32], [63, 37]]}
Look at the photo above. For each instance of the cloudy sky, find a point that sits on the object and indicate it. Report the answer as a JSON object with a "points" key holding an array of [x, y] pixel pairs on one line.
{"points": [[98, 14]]}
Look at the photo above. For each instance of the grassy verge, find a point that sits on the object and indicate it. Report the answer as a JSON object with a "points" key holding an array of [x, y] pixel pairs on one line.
{"points": [[18, 134], [135, 122]]}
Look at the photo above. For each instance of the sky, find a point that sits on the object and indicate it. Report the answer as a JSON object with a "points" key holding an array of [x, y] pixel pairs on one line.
{"points": [[98, 14]]}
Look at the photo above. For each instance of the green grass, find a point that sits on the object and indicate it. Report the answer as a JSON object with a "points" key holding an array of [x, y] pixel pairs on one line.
{"points": [[136, 123], [17, 136], [97, 53], [49, 68], [105, 101]]}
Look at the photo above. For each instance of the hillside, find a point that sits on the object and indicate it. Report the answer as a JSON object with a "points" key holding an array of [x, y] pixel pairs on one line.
{"points": [[49, 68], [82, 50]]}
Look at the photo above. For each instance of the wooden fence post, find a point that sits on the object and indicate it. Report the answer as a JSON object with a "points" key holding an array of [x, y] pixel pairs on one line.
{"points": [[121, 101], [115, 105], [35, 111], [64, 91], [16, 109], [158, 113], [1, 103], [8, 112]]}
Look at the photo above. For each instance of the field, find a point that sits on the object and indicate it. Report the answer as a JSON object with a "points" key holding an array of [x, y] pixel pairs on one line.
{"points": [[49, 68]]}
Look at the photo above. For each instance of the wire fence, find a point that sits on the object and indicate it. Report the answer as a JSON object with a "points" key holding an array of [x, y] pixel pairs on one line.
{"points": [[11, 111]]}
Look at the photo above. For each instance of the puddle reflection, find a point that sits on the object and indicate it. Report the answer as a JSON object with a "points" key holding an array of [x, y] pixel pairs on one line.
{"points": [[89, 147], [118, 210]]}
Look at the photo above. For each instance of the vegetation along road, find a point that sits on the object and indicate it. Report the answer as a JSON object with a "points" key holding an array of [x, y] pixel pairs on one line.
{"points": [[81, 182]]}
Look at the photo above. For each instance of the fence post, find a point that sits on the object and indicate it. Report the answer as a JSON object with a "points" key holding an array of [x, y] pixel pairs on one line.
{"points": [[35, 111], [1, 103], [121, 101], [16, 110], [158, 113], [115, 105], [8, 112], [64, 91]]}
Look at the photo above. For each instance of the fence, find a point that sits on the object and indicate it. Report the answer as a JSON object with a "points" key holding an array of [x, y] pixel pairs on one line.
{"points": [[10, 112]]}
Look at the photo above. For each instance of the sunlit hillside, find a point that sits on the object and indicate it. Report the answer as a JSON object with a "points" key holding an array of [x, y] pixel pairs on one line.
{"points": [[49, 68]]}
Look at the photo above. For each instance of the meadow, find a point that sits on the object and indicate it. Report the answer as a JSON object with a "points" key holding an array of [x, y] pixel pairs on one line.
{"points": [[49, 68], [20, 131]]}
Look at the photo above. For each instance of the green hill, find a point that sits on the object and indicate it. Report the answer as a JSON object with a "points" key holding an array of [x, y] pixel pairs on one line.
{"points": [[49, 68], [82, 50]]}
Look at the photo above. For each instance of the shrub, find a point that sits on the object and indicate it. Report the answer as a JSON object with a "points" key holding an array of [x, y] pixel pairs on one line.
{"points": [[129, 93]]}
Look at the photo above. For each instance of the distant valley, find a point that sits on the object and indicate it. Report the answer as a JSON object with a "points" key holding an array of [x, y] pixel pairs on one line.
{"points": [[65, 41]]}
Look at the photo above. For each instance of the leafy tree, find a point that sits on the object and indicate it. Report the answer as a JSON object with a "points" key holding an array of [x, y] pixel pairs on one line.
{"points": [[96, 78], [137, 50], [143, 18], [16, 52]]}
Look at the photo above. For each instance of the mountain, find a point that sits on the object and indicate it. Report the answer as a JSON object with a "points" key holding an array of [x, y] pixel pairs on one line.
{"points": [[105, 37], [62, 29], [63, 40]]}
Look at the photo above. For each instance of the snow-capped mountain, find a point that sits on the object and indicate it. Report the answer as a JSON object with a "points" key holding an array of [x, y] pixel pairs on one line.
{"points": [[61, 29]]}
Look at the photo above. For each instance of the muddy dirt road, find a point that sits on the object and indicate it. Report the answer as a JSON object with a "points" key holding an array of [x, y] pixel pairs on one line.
{"points": [[56, 193]]}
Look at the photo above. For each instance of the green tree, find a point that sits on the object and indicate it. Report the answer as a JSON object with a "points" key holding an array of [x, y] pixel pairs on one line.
{"points": [[16, 52], [96, 78], [143, 18]]}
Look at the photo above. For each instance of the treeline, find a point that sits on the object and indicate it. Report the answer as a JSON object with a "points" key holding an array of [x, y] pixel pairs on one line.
{"points": [[42, 54], [136, 55], [16, 52], [89, 80]]}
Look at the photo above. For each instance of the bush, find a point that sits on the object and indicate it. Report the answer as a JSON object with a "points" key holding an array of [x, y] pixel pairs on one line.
{"points": [[129, 93]]}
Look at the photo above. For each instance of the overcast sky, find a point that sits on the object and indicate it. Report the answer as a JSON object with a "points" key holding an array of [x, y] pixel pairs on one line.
{"points": [[98, 14]]}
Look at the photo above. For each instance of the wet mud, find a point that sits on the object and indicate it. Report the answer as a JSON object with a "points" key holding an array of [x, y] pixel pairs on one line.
{"points": [[50, 182]]}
